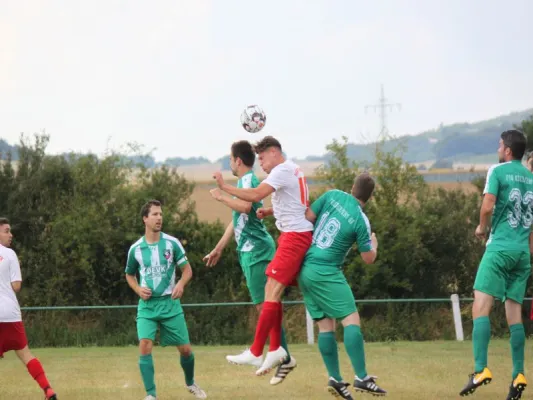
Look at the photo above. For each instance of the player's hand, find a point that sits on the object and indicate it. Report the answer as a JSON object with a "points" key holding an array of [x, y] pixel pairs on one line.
{"points": [[216, 193], [481, 232], [178, 290], [261, 213], [217, 176], [212, 258], [144, 293]]}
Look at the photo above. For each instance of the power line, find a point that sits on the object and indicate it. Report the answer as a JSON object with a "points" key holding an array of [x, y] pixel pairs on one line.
{"points": [[382, 108]]}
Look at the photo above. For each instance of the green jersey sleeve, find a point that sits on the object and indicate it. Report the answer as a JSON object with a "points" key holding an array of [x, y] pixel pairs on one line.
{"points": [[179, 254], [492, 184], [362, 234], [319, 203], [132, 265]]}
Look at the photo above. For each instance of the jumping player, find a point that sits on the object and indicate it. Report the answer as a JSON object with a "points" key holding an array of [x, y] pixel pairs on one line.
{"points": [[255, 246], [290, 199], [340, 222], [155, 257], [505, 267], [12, 332]]}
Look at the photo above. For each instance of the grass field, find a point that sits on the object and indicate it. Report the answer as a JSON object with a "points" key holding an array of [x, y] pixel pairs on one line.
{"points": [[408, 370]]}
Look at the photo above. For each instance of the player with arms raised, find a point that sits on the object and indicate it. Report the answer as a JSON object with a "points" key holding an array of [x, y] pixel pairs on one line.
{"points": [[505, 267], [12, 332], [340, 222], [255, 246], [290, 198], [155, 257]]}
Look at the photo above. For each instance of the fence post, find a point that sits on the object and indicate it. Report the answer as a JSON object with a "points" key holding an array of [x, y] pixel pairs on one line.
{"points": [[310, 327], [457, 317]]}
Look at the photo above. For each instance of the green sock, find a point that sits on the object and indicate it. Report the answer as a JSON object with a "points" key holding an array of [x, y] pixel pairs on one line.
{"points": [[146, 365], [480, 341], [355, 347], [284, 344], [328, 349], [518, 342], [187, 363]]}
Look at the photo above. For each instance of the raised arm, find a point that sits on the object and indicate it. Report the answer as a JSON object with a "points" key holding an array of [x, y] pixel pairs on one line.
{"points": [[240, 206]]}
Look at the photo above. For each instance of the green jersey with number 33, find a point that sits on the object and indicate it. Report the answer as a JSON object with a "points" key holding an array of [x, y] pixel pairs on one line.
{"points": [[339, 224], [512, 184]]}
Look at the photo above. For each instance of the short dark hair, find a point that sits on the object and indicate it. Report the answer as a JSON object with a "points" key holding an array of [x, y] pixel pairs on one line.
{"points": [[363, 187], [243, 150], [266, 143], [516, 141], [4, 221], [145, 210]]}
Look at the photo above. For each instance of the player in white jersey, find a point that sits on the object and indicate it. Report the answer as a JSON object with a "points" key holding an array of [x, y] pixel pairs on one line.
{"points": [[12, 332], [290, 199]]}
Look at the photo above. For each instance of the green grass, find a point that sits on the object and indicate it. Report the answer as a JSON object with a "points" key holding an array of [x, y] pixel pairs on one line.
{"points": [[408, 370]]}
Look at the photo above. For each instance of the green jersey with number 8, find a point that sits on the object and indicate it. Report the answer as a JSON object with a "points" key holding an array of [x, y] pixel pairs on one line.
{"points": [[512, 184], [339, 224]]}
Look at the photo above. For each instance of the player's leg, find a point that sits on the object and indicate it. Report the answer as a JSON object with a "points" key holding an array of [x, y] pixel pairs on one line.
{"points": [[146, 330], [174, 332], [13, 337], [489, 284], [515, 291]]}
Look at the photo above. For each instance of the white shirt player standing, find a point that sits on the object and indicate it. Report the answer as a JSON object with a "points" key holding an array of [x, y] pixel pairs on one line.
{"points": [[290, 199], [12, 332]]}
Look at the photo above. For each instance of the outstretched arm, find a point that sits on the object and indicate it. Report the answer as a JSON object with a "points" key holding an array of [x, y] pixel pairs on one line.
{"points": [[252, 195], [240, 206]]}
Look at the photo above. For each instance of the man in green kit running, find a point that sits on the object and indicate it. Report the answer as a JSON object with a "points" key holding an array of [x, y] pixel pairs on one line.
{"points": [[505, 267], [155, 257], [339, 224], [255, 246]]}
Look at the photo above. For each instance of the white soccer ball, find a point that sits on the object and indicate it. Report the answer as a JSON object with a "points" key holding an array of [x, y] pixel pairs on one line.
{"points": [[253, 119]]}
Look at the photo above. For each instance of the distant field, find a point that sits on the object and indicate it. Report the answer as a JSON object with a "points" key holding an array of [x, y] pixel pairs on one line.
{"points": [[407, 370], [210, 210]]}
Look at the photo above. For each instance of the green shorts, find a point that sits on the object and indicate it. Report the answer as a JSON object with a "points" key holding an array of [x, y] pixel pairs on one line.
{"points": [[326, 292], [254, 264], [165, 313], [504, 274]]}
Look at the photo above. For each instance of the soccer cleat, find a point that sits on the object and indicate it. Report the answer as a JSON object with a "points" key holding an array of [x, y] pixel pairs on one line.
{"points": [[517, 387], [198, 393], [49, 394], [476, 380], [272, 360], [368, 385], [150, 397], [339, 389], [282, 371], [245, 358]]}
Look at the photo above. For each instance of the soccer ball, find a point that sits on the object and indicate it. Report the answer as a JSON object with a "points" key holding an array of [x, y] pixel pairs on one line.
{"points": [[253, 119]]}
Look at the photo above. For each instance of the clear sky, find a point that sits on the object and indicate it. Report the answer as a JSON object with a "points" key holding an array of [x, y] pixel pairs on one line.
{"points": [[174, 75]]}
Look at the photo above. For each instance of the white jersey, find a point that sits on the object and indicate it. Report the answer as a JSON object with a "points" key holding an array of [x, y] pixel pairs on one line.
{"points": [[9, 272], [291, 197]]}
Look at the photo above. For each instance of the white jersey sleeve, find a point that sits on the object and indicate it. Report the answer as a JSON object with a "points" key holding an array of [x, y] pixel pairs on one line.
{"points": [[14, 267]]}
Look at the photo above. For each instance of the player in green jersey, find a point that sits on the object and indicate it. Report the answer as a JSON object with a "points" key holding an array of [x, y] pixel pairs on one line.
{"points": [[339, 223], [505, 267], [155, 257], [255, 246]]}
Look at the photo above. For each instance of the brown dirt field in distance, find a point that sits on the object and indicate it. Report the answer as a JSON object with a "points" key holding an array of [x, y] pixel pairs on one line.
{"points": [[210, 210]]}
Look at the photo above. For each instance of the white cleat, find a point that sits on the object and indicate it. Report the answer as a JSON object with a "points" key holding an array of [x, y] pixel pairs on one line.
{"points": [[282, 371], [246, 358], [272, 360], [196, 391], [150, 397]]}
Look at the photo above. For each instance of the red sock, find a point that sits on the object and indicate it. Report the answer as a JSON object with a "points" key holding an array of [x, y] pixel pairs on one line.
{"points": [[37, 372], [267, 320], [275, 332]]}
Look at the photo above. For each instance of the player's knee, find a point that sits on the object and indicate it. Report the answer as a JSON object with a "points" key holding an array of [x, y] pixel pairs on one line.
{"points": [[145, 346], [185, 351], [24, 355]]}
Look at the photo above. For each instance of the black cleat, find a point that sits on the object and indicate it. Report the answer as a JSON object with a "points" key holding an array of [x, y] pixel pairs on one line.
{"points": [[368, 385], [282, 371], [476, 380], [339, 389], [517, 387]]}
